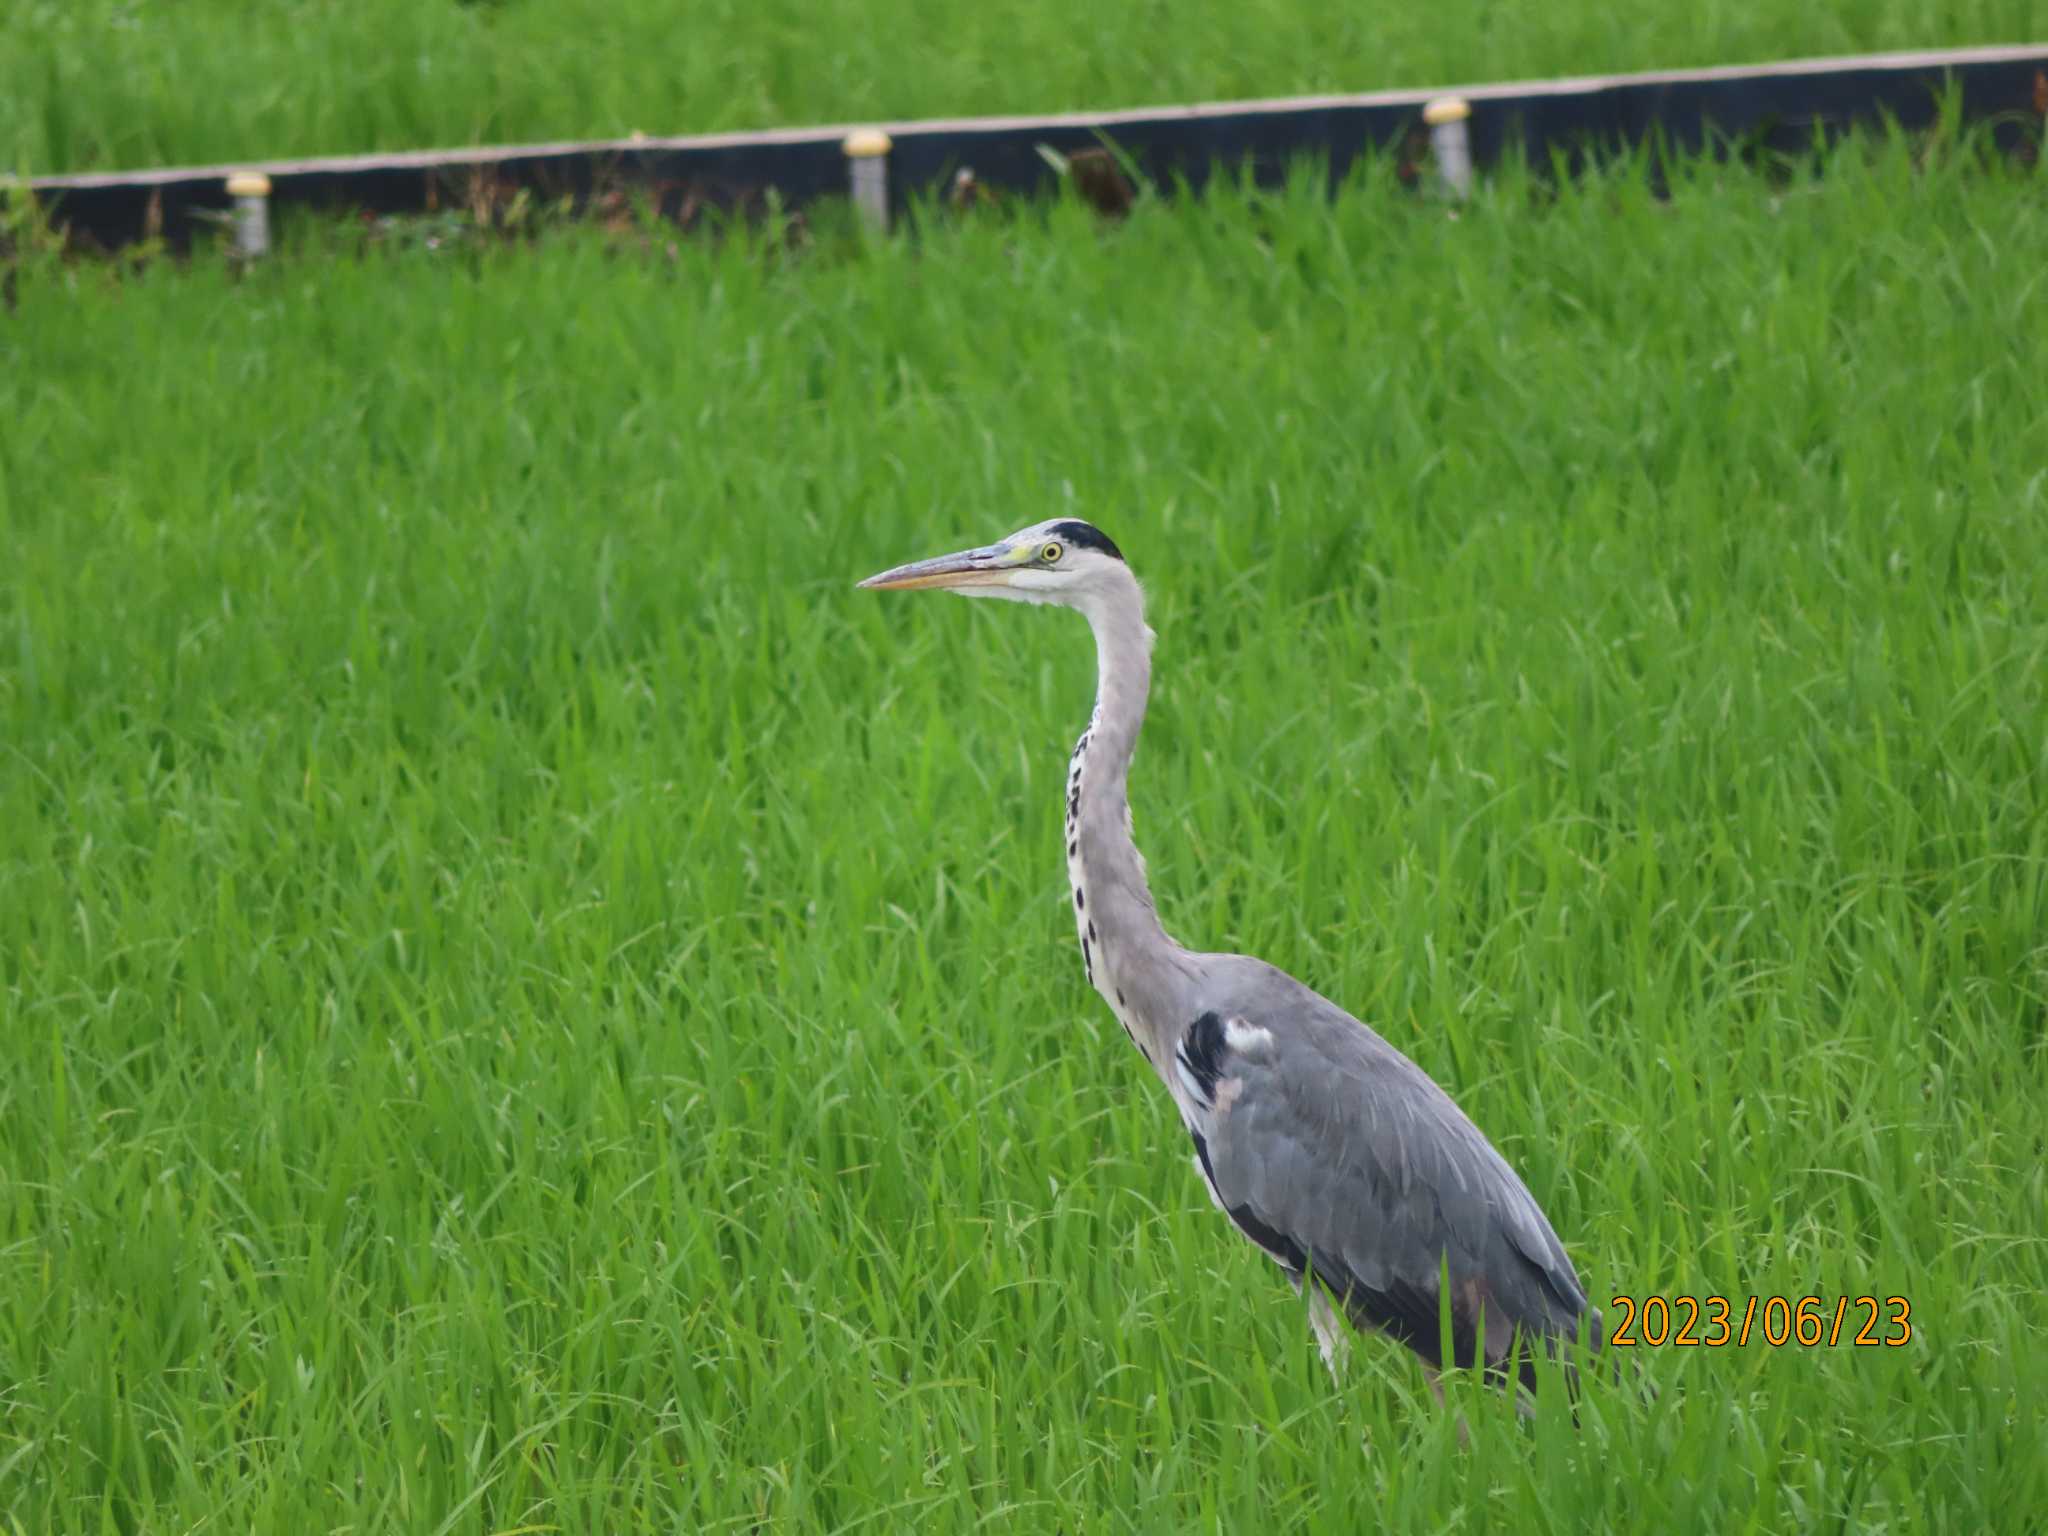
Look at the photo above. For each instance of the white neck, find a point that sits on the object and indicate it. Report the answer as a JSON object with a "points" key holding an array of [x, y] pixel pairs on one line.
{"points": [[1129, 958]]}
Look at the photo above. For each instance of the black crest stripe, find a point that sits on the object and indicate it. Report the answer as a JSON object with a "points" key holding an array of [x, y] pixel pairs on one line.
{"points": [[1087, 536]]}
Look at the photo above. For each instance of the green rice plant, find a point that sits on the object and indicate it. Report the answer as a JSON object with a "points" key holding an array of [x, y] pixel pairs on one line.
{"points": [[100, 84], [531, 1005]]}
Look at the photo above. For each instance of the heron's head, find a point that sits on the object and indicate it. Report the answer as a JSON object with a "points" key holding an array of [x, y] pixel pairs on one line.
{"points": [[1061, 561]]}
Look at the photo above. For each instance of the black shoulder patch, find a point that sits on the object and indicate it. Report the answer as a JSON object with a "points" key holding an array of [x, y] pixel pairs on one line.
{"points": [[1201, 1052], [1087, 536]]}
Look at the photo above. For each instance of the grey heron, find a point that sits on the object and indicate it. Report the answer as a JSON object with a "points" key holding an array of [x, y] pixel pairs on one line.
{"points": [[1330, 1149]]}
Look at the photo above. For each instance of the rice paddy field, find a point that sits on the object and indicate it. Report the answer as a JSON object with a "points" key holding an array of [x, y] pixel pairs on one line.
{"points": [[107, 84], [531, 1005]]}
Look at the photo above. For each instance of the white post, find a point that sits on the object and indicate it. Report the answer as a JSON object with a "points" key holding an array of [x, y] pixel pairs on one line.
{"points": [[251, 192], [867, 174], [1452, 145]]}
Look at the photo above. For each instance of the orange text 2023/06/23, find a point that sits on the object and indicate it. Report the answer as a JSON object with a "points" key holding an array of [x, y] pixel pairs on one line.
{"points": [[1719, 1322]]}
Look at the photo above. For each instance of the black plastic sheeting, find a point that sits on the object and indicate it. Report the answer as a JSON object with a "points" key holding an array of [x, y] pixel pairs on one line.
{"points": [[1771, 108]]}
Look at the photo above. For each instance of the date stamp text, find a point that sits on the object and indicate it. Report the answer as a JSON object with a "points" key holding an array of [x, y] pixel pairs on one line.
{"points": [[1716, 1322]]}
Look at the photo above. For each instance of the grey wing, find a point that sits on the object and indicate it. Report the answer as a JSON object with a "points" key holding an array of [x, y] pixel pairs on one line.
{"points": [[1334, 1152]]}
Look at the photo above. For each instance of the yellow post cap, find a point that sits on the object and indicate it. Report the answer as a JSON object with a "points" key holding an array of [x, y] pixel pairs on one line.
{"points": [[248, 184], [1446, 109], [865, 143]]}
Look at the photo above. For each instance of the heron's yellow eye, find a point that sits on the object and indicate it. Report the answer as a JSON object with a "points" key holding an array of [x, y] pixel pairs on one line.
{"points": [[1051, 554]]}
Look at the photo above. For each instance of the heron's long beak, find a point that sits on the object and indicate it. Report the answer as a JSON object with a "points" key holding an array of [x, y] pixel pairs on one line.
{"points": [[989, 567]]}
